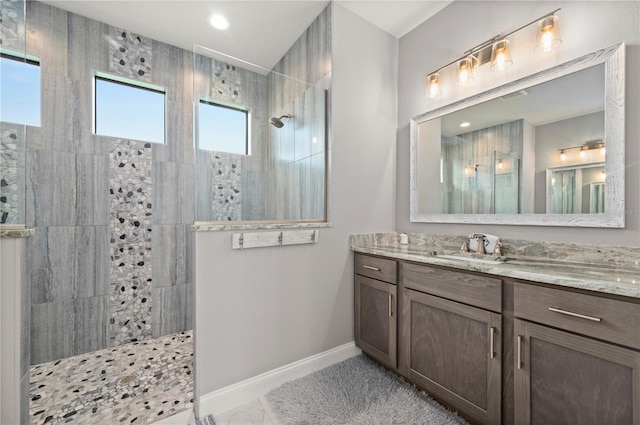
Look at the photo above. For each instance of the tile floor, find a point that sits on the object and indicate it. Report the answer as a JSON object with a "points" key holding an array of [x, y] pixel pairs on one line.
{"points": [[256, 412], [135, 383]]}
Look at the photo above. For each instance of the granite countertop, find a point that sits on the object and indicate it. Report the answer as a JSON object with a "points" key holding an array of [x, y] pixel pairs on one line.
{"points": [[607, 277]]}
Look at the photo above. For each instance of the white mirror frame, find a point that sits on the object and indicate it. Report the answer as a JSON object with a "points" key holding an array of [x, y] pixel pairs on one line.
{"points": [[614, 59]]}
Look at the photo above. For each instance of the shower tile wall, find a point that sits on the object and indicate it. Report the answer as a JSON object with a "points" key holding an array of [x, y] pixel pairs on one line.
{"points": [[78, 303], [12, 136], [130, 214], [130, 54], [477, 147], [285, 164], [12, 170], [301, 146], [233, 183], [12, 25]]}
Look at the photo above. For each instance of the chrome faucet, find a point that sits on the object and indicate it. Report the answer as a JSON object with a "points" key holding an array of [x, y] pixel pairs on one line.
{"points": [[479, 237]]}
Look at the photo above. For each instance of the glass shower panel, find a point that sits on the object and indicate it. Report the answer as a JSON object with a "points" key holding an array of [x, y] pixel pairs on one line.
{"points": [[563, 192], [19, 109], [283, 175], [506, 188]]}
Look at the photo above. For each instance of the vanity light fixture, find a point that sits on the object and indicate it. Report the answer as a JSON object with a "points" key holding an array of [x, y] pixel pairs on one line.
{"points": [[434, 86], [501, 56], [465, 70], [548, 34], [496, 51], [584, 148]]}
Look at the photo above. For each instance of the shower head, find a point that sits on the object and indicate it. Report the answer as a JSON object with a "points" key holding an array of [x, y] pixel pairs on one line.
{"points": [[277, 122]]}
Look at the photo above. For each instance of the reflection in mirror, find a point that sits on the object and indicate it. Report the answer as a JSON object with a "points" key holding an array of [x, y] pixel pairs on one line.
{"points": [[485, 159], [576, 189], [275, 171]]}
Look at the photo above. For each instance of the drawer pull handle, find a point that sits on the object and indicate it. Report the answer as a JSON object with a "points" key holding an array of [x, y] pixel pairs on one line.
{"points": [[390, 305], [375, 269], [492, 352], [519, 352], [569, 313]]}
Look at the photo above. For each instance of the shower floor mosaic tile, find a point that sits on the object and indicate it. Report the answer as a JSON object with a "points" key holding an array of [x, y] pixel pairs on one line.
{"points": [[136, 383]]}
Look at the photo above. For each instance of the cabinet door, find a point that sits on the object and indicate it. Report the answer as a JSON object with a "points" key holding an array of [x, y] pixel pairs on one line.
{"points": [[375, 319], [454, 351], [562, 378]]}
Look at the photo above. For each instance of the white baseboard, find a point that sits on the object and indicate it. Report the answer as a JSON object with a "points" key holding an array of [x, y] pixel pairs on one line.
{"points": [[243, 392]]}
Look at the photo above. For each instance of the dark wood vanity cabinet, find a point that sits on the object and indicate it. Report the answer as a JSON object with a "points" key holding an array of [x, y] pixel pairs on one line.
{"points": [[570, 377], [375, 308], [499, 351], [452, 349]]}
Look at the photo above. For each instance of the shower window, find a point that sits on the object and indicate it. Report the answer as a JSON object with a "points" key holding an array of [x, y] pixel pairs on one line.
{"points": [[129, 109], [223, 128], [19, 90]]}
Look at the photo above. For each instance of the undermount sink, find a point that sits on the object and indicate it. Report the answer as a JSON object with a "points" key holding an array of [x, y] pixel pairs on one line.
{"points": [[470, 259]]}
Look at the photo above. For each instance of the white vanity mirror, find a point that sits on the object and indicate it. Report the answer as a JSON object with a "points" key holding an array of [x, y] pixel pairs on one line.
{"points": [[496, 158]]}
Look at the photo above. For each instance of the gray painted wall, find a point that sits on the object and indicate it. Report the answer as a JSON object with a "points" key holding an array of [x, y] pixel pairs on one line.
{"points": [[260, 309], [585, 27]]}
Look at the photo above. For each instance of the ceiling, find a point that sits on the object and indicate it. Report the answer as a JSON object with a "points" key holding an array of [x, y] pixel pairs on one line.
{"points": [[260, 32]]}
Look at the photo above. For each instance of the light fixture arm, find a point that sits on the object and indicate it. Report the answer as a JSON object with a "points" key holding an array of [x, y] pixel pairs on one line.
{"points": [[492, 40]]}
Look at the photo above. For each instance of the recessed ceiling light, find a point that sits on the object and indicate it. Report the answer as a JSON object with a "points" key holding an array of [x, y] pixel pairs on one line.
{"points": [[219, 22], [465, 124]]}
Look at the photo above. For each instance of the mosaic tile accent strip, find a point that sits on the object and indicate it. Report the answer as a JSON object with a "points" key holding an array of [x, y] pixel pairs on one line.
{"points": [[12, 35], [130, 55], [12, 154], [226, 196], [130, 244], [136, 383], [225, 82]]}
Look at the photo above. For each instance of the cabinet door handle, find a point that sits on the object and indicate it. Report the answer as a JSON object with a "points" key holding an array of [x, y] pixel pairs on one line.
{"points": [[570, 313], [390, 305], [519, 349], [492, 352], [375, 269]]}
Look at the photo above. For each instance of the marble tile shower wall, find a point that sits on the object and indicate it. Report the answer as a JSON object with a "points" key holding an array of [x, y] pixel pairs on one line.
{"points": [[105, 267]]}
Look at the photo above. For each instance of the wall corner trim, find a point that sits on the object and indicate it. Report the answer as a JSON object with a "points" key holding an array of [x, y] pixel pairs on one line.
{"points": [[243, 392]]}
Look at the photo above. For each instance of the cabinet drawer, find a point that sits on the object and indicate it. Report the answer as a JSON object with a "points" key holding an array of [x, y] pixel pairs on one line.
{"points": [[375, 268], [478, 291], [603, 318]]}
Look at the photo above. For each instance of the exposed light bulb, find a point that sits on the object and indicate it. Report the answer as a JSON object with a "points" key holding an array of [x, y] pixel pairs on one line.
{"points": [[563, 156], [465, 124], [548, 34], [583, 153], [465, 71], [500, 56], [500, 164], [434, 86], [602, 150], [603, 175]]}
